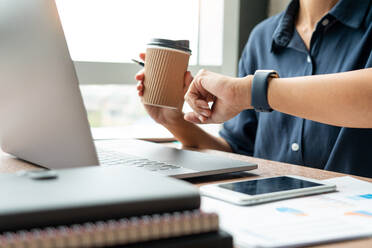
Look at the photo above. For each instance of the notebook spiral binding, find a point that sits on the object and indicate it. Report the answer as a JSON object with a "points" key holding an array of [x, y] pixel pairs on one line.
{"points": [[114, 232]]}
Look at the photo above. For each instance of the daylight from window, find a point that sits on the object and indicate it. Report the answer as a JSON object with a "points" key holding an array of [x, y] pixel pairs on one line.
{"points": [[117, 30]]}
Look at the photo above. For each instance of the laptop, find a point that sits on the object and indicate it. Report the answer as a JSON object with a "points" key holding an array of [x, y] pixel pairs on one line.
{"points": [[43, 118]]}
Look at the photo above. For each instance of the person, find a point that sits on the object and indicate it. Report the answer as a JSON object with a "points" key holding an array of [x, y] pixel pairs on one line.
{"points": [[322, 101]]}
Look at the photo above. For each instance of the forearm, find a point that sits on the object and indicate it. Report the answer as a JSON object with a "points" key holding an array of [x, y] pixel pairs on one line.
{"points": [[340, 99], [191, 135]]}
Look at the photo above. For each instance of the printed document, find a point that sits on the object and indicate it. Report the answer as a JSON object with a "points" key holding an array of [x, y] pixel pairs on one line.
{"points": [[344, 214]]}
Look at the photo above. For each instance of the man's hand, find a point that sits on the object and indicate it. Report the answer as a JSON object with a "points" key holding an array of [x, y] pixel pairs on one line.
{"points": [[229, 96]]}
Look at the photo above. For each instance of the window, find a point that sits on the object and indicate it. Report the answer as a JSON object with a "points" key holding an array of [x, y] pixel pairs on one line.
{"points": [[117, 30], [103, 35]]}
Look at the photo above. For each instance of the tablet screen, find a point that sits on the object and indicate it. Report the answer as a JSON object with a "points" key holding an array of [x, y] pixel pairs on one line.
{"points": [[268, 185]]}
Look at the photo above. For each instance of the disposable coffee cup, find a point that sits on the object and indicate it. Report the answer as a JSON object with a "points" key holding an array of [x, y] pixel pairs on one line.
{"points": [[165, 67]]}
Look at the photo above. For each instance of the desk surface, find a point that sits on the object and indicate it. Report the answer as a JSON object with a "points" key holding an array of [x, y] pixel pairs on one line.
{"points": [[266, 168]]}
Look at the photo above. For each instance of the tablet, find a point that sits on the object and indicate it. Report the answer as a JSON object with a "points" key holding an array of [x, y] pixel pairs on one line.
{"points": [[250, 192]]}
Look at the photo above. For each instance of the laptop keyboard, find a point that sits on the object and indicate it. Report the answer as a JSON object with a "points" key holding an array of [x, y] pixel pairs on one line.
{"points": [[111, 158]]}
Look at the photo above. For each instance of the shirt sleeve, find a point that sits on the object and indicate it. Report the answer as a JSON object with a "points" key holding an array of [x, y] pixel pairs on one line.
{"points": [[240, 132]]}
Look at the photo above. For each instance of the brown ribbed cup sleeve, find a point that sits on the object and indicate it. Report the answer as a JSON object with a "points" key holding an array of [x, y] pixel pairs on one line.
{"points": [[164, 77]]}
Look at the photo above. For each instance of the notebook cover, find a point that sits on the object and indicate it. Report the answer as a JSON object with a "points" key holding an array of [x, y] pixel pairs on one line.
{"points": [[39, 199]]}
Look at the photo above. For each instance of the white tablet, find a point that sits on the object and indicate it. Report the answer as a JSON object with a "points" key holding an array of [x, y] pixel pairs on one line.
{"points": [[250, 192]]}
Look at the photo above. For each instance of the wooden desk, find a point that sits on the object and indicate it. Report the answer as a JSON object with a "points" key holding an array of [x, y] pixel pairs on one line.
{"points": [[266, 168]]}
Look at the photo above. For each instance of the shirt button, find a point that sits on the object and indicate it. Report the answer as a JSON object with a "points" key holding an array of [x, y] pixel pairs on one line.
{"points": [[308, 59], [325, 22], [295, 147]]}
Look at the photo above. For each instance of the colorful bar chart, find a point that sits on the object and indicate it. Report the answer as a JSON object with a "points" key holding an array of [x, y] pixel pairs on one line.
{"points": [[291, 211]]}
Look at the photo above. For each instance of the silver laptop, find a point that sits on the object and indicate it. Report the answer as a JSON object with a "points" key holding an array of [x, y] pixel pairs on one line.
{"points": [[42, 116]]}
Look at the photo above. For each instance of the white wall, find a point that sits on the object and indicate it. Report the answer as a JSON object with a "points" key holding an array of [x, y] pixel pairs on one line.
{"points": [[277, 6]]}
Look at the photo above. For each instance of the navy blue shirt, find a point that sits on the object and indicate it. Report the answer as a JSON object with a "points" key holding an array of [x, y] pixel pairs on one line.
{"points": [[342, 41]]}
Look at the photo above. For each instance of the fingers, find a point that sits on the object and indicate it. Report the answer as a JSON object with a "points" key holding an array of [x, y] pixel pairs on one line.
{"points": [[202, 108], [197, 119], [140, 88], [140, 75], [202, 104], [197, 97], [199, 105], [193, 117]]}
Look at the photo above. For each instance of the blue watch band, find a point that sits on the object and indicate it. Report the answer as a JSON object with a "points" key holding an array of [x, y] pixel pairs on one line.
{"points": [[259, 90]]}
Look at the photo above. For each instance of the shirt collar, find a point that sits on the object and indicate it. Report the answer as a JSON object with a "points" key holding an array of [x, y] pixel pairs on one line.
{"points": [[349, 12], [284, 31]]}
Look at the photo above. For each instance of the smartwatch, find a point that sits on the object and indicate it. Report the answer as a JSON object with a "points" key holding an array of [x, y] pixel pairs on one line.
{"points": [[259, 90]]}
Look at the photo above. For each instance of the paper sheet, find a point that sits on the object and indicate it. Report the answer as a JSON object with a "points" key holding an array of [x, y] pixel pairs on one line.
{"points": [[345, 214]]}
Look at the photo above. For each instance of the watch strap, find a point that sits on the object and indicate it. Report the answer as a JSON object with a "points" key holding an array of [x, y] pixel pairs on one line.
{"points": [[259, 90]]}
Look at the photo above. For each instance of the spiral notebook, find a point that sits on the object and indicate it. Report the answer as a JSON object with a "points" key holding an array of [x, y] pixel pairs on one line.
{"points": [[98, 207], [114, 232]]}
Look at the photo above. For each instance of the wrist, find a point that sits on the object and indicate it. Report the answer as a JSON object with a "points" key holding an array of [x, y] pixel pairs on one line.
{"points": [[244, 90], [187, 133], [175, 120]]}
